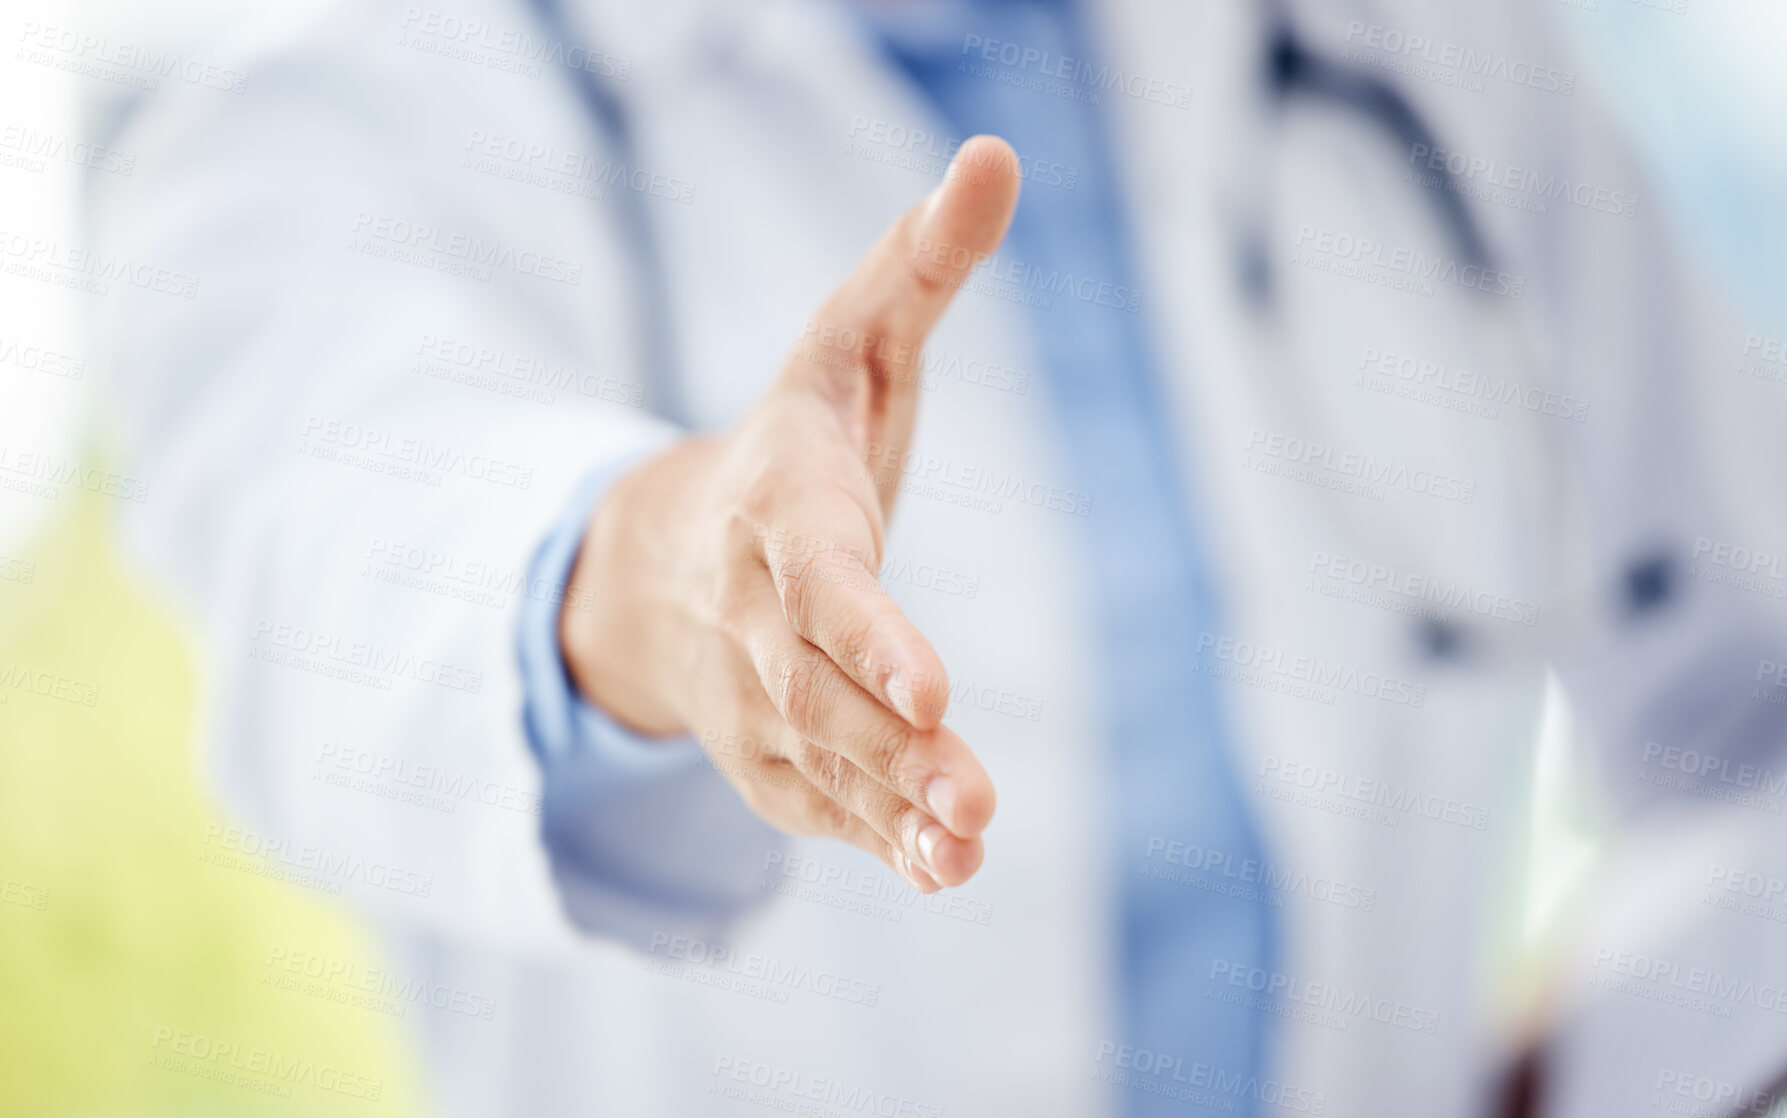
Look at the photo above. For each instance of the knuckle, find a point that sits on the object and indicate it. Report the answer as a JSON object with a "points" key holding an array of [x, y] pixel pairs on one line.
{"points": [[884, 747], [848, 638], [840, 623], [903, 823], [804, 565], [796, 583], [802, 689], [827, 770]]}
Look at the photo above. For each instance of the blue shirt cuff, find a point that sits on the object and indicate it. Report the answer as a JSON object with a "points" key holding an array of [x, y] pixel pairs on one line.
{"points": [[561, 725], [644, 837]]}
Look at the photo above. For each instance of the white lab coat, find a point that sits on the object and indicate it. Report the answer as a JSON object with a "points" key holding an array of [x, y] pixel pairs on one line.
{"points": [[286, 203]]}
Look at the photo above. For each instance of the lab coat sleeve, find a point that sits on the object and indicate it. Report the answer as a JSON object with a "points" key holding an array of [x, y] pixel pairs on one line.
{"points": [[1670, 988], [364, 358]]}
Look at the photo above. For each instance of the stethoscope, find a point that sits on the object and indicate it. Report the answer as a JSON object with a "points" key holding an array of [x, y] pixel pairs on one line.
{"points": [[1291, 72], [1575, 596]]}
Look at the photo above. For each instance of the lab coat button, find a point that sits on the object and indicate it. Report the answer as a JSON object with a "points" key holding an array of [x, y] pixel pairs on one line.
{"points": [[1648, 584], [1440, 639]]}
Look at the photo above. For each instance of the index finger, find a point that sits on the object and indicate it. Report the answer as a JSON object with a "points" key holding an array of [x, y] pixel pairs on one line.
{"points": [[831, 596]]}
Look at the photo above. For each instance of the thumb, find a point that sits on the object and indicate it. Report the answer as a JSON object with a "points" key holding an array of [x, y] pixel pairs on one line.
{"points": [[862, 348]]}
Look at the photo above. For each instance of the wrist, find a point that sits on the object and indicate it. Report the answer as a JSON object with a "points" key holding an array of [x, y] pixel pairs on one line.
{"points": [[623, 640]]}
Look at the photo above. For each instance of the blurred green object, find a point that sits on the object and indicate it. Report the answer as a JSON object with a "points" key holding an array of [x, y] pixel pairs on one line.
{"points": [[136, 979]]}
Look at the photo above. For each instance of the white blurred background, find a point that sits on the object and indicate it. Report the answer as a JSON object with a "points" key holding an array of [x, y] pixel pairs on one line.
{"points": [[43, 412]]}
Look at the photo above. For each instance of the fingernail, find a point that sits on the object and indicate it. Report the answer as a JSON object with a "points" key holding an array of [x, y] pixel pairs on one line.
{"points": [[927, 845], [899, 693], [940, 797]]}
